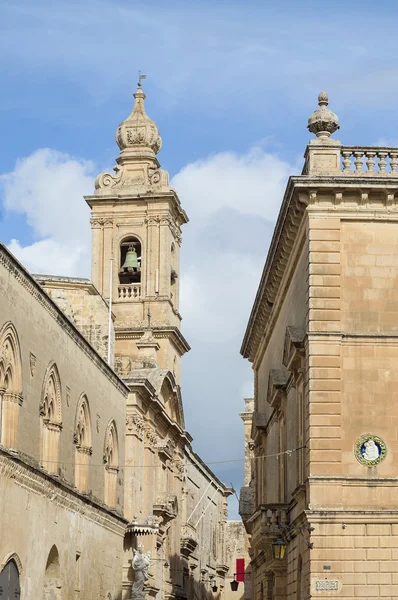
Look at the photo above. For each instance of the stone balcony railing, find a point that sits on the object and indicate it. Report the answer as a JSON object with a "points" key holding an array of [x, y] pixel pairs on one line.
{"points": [[129, 293], [331, 158], [372, 161], [268, 521], [189, 539]]}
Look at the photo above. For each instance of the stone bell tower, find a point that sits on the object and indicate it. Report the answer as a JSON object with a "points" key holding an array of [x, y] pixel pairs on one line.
{"points": [[136, 219]]}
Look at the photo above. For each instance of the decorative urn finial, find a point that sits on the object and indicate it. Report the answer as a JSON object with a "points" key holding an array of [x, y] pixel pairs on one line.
{"points": [[138, 131], [323, 122]]}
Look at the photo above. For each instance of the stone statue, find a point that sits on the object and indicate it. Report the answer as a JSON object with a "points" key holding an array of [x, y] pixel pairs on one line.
{"points": [[140, 565]]}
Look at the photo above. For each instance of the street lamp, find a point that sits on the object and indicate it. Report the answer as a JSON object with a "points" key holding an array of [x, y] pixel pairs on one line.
{"points": [[234, 584], [278, 549]]}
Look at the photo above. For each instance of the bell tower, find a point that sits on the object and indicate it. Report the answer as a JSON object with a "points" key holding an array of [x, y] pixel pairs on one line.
{"points": [[136, 221]]}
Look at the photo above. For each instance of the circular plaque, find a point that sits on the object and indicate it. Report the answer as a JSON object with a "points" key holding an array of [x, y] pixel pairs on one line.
{"points": [[370, 450]]}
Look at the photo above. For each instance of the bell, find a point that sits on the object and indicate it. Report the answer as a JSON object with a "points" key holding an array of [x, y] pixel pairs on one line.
{"points": [[131, 261]]}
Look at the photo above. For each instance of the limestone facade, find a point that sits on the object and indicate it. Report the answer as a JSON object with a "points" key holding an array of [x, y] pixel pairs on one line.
{"points": [[95, 455], [322, 338], [59, 402]]}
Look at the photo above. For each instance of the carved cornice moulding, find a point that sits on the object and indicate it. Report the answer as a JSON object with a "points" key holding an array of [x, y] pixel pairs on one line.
{"points": [[9, 262], [159, 333], [170, 196], [369, 197], [290, 217], [64, 496]]}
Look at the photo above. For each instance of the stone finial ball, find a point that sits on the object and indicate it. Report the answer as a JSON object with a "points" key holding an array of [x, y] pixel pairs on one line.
{"points": [[323, 98]]}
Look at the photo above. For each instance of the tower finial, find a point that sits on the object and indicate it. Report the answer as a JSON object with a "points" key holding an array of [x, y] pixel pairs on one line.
{"points": [[323, 122], [140, 78]]}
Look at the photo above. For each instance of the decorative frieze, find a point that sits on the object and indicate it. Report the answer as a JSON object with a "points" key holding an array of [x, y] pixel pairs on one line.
{"points": [[135, 425], [59, 492]]}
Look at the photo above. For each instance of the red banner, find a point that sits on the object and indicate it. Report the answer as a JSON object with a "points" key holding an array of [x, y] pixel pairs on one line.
{"points": [[240, 569]]}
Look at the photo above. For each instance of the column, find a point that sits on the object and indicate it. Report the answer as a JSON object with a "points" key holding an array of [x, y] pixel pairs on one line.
{"points": [[96, 252], [107, 254]]}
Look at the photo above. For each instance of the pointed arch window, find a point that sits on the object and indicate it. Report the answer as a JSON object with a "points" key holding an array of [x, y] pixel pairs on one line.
{"points": [[51, 419], [130, 261], [111, 462], [82, 441], [9, 578], [10, 385], [52, 577]]}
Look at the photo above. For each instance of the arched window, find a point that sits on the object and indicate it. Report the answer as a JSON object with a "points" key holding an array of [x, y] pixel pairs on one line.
{"points": [[51, 419], [300, 579], [52, 577], [9, 578], [10, 385], [111, 462], [82, 441], [130, 261]]}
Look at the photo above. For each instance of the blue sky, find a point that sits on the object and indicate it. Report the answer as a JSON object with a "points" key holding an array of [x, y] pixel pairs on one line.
{"points": [[230, 85]]}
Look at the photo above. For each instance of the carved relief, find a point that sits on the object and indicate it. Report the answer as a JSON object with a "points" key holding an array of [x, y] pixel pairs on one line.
{"points": [[32, 363], [135, 424]]}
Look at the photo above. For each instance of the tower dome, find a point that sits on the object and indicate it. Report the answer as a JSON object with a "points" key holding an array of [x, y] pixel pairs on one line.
{"points": [[323, 122], [138, 131]]}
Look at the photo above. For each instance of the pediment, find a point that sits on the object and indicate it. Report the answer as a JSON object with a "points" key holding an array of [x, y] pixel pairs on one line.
{"points": [[293, 350], [277, 384]]}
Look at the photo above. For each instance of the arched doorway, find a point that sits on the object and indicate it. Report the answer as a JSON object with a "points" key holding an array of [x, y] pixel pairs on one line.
{"points": [[9, 582], [52, 589]]}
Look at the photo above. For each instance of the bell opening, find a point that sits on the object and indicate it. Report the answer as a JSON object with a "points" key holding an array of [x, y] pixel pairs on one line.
{"points": [[130, 261]]}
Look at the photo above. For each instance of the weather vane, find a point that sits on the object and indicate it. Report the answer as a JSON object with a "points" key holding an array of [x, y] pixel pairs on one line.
{"points": [[140, 78]]}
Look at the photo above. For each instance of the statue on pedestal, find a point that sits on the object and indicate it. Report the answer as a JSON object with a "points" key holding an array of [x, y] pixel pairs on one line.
{"points": [[140, 565]]}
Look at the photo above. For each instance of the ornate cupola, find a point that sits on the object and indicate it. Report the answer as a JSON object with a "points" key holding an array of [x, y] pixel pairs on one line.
{"points": [[137, 168], [138, 133], [323, 122], [136, 220]]}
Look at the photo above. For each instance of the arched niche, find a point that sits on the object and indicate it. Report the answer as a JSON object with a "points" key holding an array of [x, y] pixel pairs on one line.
{"points": [[10, 385], [82, 439], [52, 585], [111, 462], [51, 418], [130, 260]]}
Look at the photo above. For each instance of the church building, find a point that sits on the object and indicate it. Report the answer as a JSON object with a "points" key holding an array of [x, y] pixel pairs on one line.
{"points": [[320, 502], [95, 459]]}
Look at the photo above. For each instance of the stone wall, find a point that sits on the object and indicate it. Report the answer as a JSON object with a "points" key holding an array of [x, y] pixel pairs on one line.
{"points": [[58, 400]]}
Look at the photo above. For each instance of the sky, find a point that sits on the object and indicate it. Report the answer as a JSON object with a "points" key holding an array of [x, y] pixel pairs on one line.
{"points": [[231, 86]]}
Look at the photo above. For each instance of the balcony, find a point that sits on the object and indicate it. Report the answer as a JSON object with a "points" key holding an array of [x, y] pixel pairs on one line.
{"points": [[129, 292], [189, 539], [268, 522]]}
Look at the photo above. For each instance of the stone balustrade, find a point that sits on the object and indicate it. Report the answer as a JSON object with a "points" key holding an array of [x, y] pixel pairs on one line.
{"points": [[268, 521], [128, 293], [369, 161]]}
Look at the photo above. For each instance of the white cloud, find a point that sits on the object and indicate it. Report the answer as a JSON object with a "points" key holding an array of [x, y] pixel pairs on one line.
{"points": [[52, 257], [47, 188], [233, 201], [250, 183]]}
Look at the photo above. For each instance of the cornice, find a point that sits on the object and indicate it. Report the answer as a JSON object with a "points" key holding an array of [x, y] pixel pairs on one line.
{"points": [[124, 333], [289, 219], [205, 470], [302, 195], [128, 198], [352, 516], [15, 467], [23, 277]]}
